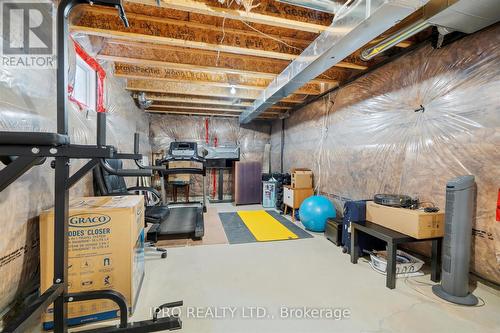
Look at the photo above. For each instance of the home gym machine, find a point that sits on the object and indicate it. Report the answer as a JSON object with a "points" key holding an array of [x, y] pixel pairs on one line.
{"points": [[185, 219], [20, 151]]}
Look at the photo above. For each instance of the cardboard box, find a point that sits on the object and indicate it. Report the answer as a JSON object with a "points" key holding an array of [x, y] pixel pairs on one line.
{"points": [[302, 178], [185, 178], [105, 251], [415, 223]]}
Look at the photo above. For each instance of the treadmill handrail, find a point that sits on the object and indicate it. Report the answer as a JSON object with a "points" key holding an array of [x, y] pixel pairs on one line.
{"points": [[138, 162], [124, 172], [170, 158], [178, 171], [150, 167]]}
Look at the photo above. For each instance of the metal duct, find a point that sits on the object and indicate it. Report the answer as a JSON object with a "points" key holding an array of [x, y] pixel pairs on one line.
{"points": [[451, 15], [468, 16], [356, 23], [143, 102]]}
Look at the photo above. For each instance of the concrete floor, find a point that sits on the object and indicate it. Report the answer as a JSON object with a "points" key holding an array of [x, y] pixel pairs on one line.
{"points": [[293, 274]]}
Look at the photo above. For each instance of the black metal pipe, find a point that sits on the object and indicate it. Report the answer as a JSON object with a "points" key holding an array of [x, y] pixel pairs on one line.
{"points": [[34, 311], [101, 129], [124, 172], [112, 295], [61, 198], [282, 144], [17, 168], [81, 172]]}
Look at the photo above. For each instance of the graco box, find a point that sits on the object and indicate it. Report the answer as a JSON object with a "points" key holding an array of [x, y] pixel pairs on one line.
{"points": [[105, 251]]}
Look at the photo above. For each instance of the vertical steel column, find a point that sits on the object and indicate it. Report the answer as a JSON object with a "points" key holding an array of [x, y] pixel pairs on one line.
{"points": [[61, 241]]}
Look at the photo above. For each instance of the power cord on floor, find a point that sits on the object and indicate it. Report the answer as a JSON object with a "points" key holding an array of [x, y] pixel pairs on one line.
{"points": [[437, 300], [413, 282]]}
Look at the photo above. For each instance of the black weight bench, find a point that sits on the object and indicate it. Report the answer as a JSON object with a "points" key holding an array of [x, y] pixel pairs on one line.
{"points": [[33, 138], [19, 161]]}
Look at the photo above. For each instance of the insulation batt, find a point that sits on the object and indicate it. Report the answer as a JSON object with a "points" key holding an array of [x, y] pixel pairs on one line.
{"points": [[370, 137], [28, 103]]}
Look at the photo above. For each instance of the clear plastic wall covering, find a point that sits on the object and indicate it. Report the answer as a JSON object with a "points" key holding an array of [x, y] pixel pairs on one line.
{"points": [[28, 103], [409, 127]]}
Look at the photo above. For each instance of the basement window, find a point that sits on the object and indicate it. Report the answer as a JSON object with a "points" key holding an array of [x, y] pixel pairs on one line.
{"points": [[85, 87], [88, 87]]}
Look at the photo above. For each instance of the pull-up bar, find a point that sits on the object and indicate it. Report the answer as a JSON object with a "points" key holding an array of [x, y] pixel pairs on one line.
{"points": [[20, 151]]}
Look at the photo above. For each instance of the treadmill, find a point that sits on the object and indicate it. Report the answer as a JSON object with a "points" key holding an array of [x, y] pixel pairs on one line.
{"points": [[185, 219]]}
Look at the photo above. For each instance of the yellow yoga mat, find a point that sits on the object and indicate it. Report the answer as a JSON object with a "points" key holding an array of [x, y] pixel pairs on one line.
{"points": [[264, 227]]}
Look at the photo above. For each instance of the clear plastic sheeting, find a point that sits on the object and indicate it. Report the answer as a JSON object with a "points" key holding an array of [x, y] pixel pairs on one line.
{"points": [[251, 139], [28, 103], [409, 127]]}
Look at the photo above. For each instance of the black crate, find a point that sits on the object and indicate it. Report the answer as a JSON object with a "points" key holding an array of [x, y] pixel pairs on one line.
{"points": [[333, 230]]}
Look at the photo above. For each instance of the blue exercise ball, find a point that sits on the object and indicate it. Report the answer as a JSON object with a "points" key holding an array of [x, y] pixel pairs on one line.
{"points": [[314, 211]]}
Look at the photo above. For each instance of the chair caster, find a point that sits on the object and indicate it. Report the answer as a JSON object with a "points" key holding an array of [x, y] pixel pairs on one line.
{"points": [[163, 252]]}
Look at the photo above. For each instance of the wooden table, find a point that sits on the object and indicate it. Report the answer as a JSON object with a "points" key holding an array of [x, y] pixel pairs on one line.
{"points": [[393, 238]]}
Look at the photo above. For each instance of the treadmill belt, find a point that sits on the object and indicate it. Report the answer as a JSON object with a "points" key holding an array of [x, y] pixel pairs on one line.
{"points": [[181, 220]]}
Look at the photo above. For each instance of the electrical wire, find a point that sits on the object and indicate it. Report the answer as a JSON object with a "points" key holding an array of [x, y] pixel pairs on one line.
{"points": [[223, 35], [251, 27], [220, 43], [324, 134], [437, 300], [414, 282], [270, 37]]}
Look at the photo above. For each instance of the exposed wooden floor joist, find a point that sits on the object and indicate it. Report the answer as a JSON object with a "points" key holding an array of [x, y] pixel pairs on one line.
{"points": [[208, 103], [142, 54], [103, 22], [155, 96], [206, 113], [195, 89], [273, 14], [191, 54], [158, 84], [203, 77]]}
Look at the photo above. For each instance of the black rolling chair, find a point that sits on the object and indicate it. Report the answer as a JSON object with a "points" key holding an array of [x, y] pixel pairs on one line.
{"points": [[108, 184]]}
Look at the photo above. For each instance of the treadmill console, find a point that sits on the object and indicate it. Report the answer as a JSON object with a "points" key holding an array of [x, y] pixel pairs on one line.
{"points": [[183, 149]]}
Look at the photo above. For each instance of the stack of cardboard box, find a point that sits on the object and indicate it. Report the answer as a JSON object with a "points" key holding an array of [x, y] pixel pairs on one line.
{"points": [[300, 189]]}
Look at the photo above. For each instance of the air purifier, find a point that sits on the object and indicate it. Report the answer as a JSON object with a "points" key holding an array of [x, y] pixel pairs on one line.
{"points": [[454, 287]]}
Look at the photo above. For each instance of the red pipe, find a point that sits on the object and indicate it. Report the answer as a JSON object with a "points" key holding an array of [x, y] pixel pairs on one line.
{"points": [[214, 186], [206, 131]]}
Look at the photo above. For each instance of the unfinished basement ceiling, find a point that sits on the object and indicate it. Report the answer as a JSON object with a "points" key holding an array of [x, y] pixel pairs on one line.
{"points": [[213, 57]]}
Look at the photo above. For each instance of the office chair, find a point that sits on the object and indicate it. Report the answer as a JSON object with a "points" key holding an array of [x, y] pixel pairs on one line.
{"points": [[106, 184]]}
